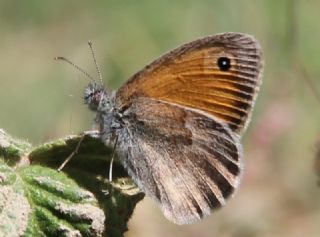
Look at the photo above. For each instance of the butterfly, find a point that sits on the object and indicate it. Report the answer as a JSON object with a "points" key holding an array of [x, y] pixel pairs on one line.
{"points": [[176, 124]]}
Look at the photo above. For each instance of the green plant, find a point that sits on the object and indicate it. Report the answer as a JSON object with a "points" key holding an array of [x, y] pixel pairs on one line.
{"points": [[37, 200]]}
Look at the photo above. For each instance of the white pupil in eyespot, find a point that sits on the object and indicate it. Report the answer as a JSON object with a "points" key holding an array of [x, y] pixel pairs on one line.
{"points": [[224, 63]]}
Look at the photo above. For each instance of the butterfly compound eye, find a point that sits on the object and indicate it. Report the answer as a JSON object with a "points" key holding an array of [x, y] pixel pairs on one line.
{"points": [[224, 63]]}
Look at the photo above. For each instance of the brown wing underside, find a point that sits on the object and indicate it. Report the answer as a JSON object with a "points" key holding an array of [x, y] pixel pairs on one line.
{"points": [[183, 159], [190, 76]]}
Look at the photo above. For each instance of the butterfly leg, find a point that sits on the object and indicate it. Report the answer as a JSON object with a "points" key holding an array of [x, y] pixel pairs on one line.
{"points": [[76, 150], [112, 158]]}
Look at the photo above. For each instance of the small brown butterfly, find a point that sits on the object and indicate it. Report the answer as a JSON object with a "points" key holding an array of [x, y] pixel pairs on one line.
{"points": [[177, 122]]}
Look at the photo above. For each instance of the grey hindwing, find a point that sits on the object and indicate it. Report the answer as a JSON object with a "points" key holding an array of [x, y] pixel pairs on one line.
{"points": [[186, 160]]}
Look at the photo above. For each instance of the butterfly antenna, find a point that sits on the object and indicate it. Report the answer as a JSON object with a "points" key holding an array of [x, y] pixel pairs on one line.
{"points": [[76, 67], [95, 61]]}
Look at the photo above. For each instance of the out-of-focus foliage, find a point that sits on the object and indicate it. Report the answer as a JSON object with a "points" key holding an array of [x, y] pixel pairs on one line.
{"points": [[41, 99]]}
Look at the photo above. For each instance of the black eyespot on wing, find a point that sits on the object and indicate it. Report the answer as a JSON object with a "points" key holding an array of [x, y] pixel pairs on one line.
{"points": [[224, 63]]}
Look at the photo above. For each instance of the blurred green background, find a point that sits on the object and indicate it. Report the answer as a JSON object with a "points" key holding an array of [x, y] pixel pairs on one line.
{"points": [[41, 99]]}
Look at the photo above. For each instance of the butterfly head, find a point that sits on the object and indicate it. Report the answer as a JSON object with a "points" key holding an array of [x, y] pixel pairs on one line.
{"points": [[96, 97]]}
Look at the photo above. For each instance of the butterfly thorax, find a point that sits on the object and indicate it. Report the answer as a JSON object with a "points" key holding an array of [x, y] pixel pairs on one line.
{"points": [[102, 102]]}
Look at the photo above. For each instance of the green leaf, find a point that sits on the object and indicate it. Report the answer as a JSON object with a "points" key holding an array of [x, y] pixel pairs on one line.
{"points": [[14, 206], [12, 150], [53, 204], [37, 200]]}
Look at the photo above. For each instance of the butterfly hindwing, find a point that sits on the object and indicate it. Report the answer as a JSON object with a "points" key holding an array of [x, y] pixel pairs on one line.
{"points": [[185, 159]]}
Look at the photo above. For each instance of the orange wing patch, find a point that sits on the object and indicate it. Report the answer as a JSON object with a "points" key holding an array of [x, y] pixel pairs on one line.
{"points": [[219, 75]]}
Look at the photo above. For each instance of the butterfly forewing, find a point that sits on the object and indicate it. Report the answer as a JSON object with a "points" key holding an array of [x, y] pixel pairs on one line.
{"points": [[219, 75], [184, 159]]}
